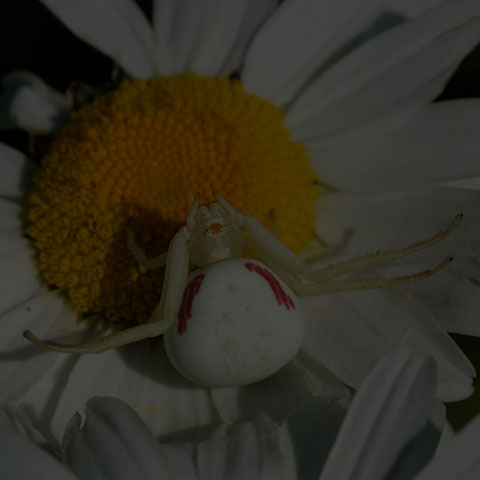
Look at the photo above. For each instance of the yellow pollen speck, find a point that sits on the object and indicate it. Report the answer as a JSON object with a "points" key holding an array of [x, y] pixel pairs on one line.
{"points": [[217, 228], [134, 159]]}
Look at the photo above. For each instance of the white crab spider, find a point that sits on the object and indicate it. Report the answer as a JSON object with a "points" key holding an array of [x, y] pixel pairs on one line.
{"points": [[234, 320]]}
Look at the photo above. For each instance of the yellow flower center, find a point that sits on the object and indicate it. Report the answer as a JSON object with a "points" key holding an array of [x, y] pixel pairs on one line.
{"points": [[135, 159]]}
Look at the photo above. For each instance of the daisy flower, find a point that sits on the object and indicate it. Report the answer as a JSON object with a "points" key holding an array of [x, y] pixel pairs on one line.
{"points": [[314, 117], [391, 430]]}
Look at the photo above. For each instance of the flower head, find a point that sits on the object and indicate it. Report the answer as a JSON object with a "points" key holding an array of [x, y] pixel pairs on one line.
{"points": [[330, 83]]}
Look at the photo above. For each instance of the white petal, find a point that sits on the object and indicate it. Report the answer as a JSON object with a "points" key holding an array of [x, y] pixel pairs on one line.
{"points": [[15, 419], [304, 38], [421, 449], [206, 37], [298, 381], [22, 363], [10, 216], [448, 434], [19, 279], [138, 374], [395, 220], [389, 409], [29, 103], [11, 242], [245, 451], [114, 443], [453, 297], [461, 461], [307, 37], [308, 435], [21, 459], [350, 332], [408, 64], [117, 28], [17, 172], [438, 144]]}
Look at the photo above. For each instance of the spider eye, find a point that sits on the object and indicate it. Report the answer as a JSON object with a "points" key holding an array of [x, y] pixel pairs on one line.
{"points": [[215, 228]]}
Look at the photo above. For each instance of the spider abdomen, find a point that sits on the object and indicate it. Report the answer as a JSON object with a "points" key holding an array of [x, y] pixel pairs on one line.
{"points": [[238, 323]]}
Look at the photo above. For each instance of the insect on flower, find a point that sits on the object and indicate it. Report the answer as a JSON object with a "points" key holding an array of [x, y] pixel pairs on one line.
{"points": [[235, 320]]}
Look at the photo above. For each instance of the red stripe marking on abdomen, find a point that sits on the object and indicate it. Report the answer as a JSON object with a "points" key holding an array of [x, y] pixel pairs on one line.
{"points": [[185, 312], [280, 294]]}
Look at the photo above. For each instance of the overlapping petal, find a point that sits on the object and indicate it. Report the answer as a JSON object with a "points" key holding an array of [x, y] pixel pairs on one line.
{"points": [[407, 65], [17, 172], [19, 279], [10, 213], [453, 296], [278, 66], [460, 461], [117, 28], [350, 332], [22, 364], [382, 221], [115, 444], [300, 380], [139, 374], [21, 459], [438, 144], [381, 419], [207, 37]]}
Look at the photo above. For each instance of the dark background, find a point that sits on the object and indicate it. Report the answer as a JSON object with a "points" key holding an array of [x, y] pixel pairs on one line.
{"points": [[33, 39]]}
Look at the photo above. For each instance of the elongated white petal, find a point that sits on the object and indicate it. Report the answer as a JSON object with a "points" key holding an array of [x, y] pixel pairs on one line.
{"points": [[10, 216], [394, 220], [453, 296], [117, 28], [139, 374], [244, 451], [114, 443], [421, 449], [21, 459], [27, 102], [308, 435], [460, 461], [15, 419], [350, 332], [390, 408], [24, 364], [439, 144], [298, 381], [408, 64], [255, 15], [19, 278], [206, 37], [17, 172], [305, 38]]}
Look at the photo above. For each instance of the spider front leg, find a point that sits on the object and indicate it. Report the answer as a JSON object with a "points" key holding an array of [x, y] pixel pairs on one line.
{"points": [[163, 316], [139, 254], [306, 281], [272, 250], [161, 260]]}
